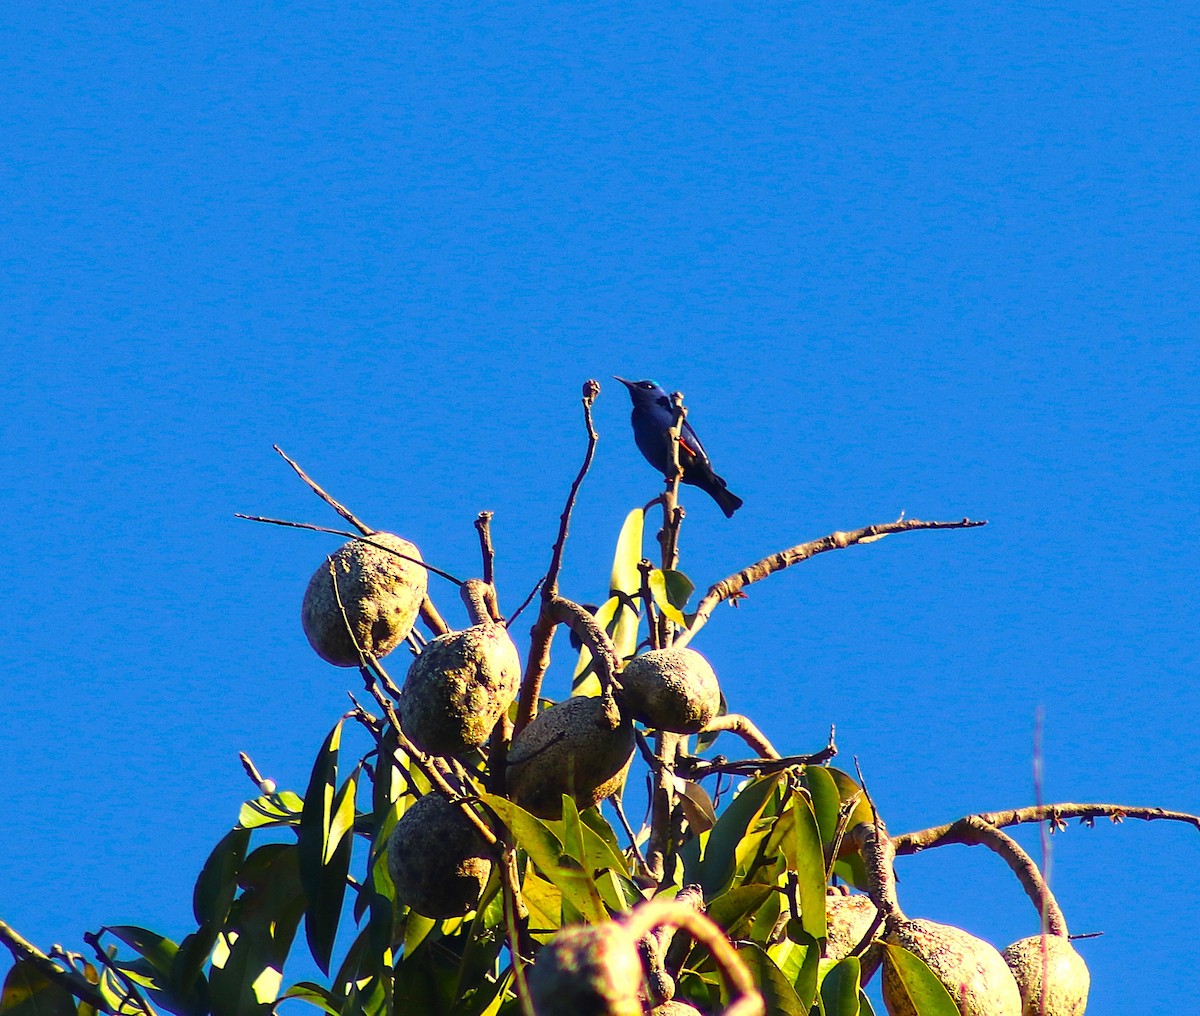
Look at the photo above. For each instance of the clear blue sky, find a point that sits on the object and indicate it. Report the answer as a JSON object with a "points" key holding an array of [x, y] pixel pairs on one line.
{"points": [[930, 258]]}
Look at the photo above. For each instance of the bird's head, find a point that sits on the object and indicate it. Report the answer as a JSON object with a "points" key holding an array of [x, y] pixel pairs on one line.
{"points": [[643, 392]]}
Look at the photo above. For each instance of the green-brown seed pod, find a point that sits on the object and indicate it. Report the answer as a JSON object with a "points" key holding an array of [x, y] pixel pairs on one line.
{"points": [[581, 746], [458, 688], [437, 859], [382, 595], [671, 689], [973, 972], [848, 919], [588, 970], [1067, 976]]}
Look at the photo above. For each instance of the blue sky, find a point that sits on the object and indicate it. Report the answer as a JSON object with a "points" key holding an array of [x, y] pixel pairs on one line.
{"points": [[925, 258]]}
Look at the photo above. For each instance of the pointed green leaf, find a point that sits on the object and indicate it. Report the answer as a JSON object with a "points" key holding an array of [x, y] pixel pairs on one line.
{"points": [[825, 800], [841, 988], [662, 598], [626, 577], [719, 862], [531, 834], [864, 1005], [777, 991], [808, 861], [278, 809], [734, 910], [29, 991], [324, 858], [697, 806], [159, 951], [910, 982], [313, 994]]}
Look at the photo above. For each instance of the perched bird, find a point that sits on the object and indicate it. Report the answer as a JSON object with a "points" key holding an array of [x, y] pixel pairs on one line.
{"points": [[653, 416]]}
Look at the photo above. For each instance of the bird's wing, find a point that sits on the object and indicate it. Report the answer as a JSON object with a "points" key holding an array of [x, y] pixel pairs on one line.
{"points": [[691, 444]]}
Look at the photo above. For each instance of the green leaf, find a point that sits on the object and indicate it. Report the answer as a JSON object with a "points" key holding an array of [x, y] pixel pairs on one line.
{"points": [[697, 806], [662, 598], [906, 976], [718, 865], [864, 1005], [840, 989], [734, 910], [211, 900], [778, 994], [325, 848], [271, 810], [626, 577], [706, 738], [313, 994], [247, 970], [29, 991], [159, 952], [825, 800], [808, 863]]}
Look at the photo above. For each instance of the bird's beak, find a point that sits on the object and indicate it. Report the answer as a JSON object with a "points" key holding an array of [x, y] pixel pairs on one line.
{"points": [[627, 384]]}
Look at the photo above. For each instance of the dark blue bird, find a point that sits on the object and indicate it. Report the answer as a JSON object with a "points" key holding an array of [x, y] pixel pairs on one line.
{"points": [[653, 415]]}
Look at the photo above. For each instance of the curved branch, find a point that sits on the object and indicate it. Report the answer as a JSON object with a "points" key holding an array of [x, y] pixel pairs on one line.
{"points": [[1055, 814], [736, 723], [729, 588], [974, 830]]}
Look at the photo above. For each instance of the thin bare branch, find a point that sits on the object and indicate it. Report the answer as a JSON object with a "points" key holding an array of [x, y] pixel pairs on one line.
{"points": [[1056, 814], [433, 620], [542, 633], [353, 536], [333, 503], [736, 723], [730, 588], [483, 526], [72, 980]]}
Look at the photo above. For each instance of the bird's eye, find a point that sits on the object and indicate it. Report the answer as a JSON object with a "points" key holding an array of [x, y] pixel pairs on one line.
{"points": [[647, 385]]}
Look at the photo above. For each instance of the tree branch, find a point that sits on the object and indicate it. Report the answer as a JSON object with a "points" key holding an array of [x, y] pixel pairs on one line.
{"points": [[336, 505], [729, 588]]}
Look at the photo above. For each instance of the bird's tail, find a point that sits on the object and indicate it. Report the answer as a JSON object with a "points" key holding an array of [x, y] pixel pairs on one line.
{"points": [[726, 499]]}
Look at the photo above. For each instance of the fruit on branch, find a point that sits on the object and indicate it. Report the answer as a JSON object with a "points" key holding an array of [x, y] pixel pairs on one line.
{"points": [[973, 972], [458, 688], [848, 918], [437, 859], [588, 970], [1067, 976], [581, 746], [671, 689], [381, 593], [675, 1008]]}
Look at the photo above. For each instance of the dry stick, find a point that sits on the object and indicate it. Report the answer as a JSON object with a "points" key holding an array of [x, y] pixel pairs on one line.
{"points": [[667, 747], [542, 632], [76, 983], [619, 808], [483, 526], [879, 855], [736, 723], [333, 503], [729, 588], [646, 566], [693, 767], [648, 916], [433, 620], [353, 536], [525, 602], [1055, 814], [672, 512]]}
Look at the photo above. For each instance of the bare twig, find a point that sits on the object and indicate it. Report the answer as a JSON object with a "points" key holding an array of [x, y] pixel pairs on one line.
{"points": [[663, 803], [1056, 814], [729, 588], [353, 536], [336, 505], [878, 856], [646, 567], [542, 632], [619, 808], [433, 620], [483, 526], [73, 981], [264, 785], [525, 602]]}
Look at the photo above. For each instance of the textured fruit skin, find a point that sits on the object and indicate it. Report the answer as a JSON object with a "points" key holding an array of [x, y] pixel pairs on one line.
{"points": [[671, 689], [848, 919], [577, 747], [973, 972], [437, 859], [1068, 976], [587, 970], [382, 595], [458, 688], [675, 1008]]}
